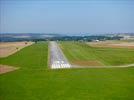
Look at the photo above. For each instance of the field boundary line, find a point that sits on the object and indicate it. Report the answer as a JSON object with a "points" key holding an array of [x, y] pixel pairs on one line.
{"points": [[48, 56], [120, 66]]}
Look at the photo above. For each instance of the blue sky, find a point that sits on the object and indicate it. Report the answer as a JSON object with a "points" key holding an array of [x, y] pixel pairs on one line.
{"points": [[67, 16]]}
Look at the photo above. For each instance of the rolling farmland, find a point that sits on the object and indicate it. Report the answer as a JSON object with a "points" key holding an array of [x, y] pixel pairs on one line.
{"points": [[66, 50], [35, 81]]}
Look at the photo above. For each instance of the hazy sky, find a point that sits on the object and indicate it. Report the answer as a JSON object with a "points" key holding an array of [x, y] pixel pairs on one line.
{"points": [[67, 16]]}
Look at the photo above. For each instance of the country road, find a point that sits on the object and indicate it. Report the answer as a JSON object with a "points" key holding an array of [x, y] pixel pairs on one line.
{"points": [[57, 58]]}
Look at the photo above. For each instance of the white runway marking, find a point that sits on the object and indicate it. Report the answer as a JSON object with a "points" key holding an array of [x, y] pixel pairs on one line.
{"points": [[60, 65], [57, 58]]}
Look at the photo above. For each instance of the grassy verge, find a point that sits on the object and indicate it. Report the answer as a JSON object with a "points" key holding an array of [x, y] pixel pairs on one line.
{"points": [[108, 56]]}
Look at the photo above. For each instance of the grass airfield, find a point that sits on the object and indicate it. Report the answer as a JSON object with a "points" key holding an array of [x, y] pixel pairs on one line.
{"points": [[85, 55], [35, 81]]}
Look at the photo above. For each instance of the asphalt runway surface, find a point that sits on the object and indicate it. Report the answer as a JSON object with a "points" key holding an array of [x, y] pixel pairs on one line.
{"points": [[57, 58]]}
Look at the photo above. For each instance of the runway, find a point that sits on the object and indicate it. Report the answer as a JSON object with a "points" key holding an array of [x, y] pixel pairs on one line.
{"points": [[57, 58]]}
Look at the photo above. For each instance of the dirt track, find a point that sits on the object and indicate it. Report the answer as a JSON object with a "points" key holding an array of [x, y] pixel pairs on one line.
{"points": [[8, 48]]}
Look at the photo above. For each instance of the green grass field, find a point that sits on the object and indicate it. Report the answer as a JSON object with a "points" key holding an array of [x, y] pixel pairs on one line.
{"points": [[75, 51], [34, 81], [33, 57]]}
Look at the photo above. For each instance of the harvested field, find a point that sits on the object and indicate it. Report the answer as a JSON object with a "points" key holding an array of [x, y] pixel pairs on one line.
{"points": [[8, 48], [112, 44], [6, 68]]}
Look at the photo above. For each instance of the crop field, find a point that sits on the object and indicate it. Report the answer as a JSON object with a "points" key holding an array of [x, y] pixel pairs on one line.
{"points": [[113, 44], [83, 54], [35, 81], [8, 48]]}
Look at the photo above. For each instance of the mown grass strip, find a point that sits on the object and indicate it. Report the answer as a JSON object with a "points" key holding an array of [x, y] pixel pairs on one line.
{"points": [[76, 51]]}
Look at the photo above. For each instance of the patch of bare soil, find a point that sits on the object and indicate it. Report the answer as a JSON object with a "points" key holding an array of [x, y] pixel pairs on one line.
{"points": [[6, 68], [112, 44], [87, 63], [9, 48]]}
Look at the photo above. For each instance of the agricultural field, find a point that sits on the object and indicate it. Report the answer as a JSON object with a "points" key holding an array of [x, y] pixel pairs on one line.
{"points": [[85, 55], [113, 44], [35, 81], [7, 68], [8, 48]]}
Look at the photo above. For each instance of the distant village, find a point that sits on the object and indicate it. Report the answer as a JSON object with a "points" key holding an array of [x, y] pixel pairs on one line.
{"points": [[8, 37]]}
